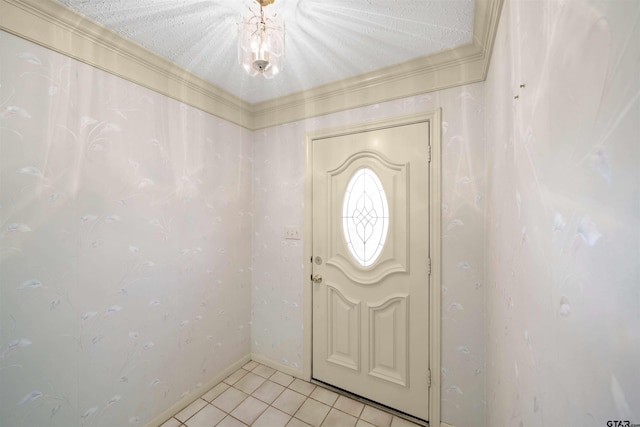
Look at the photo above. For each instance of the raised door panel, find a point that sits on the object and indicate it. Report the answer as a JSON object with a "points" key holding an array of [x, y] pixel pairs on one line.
{"points": [[343, 329], [389, 340], [393, 252]]}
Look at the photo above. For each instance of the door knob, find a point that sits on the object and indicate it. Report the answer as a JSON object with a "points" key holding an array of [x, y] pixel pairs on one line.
{"points": [[316, 278]]}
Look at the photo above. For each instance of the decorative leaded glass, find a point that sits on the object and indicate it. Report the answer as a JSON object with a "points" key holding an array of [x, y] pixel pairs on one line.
{"points": [[365, 216]]}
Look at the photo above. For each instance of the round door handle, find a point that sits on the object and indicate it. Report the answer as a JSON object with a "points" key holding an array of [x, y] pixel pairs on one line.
{"points": [[316, 278]]}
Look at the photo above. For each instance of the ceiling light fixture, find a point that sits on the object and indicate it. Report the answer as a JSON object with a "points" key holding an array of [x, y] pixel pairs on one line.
{"points": [[261, 42]]}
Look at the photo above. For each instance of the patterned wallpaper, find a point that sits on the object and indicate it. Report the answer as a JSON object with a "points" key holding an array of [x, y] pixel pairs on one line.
{"points": [[125, 223], [563, 219], [128, 222], [277, 303]]}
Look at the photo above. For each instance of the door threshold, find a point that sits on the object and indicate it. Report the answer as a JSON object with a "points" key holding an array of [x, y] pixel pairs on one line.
{"points": [[366, 401]]}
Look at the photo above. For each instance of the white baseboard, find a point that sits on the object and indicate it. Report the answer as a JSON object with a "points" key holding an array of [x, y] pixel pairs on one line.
{"points": [[278, 366], [186, 401], [445, 425]]}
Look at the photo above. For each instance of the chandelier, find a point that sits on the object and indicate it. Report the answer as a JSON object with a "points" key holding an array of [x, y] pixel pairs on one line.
{"points": [[261, 42]]}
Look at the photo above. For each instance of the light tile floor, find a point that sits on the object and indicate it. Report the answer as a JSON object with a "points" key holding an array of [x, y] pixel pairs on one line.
{"points": [[259, 396]]}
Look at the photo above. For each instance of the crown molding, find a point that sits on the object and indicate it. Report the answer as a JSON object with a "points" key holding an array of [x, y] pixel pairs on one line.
{"points": [[52, 25], [455, 67], [462, 65]]}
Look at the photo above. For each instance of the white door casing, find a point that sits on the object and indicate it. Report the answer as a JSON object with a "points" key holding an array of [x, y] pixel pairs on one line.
{"points": [[372, 317]]}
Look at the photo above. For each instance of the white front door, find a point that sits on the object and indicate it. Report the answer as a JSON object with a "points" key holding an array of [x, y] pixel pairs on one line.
{"points": [[370, 257]]}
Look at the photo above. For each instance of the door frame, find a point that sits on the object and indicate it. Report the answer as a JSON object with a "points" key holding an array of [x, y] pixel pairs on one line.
{"points": [[435, 233]]}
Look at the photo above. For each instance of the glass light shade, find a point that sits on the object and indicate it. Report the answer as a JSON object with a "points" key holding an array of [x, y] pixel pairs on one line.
{"points": [[261, 44]]}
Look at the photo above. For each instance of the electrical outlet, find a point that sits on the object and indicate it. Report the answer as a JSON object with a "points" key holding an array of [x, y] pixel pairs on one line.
{"points": [[292, 233]]}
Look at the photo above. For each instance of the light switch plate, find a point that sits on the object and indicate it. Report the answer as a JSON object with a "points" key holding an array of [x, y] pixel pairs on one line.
{"points": [[292, 233]]}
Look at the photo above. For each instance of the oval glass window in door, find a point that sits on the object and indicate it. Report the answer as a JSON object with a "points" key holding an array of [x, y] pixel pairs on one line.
{"points": [[365, 216]]}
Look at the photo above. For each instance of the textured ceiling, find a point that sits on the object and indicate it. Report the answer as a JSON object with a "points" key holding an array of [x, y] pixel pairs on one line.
{"points": [[326, 40]]}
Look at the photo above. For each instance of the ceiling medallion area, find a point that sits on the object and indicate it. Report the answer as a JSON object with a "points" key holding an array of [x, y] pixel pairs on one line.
{"points": [[261, 42]]}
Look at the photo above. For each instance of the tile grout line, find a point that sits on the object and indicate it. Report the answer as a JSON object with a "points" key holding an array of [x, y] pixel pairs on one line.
{"points": [[291, 417]]}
